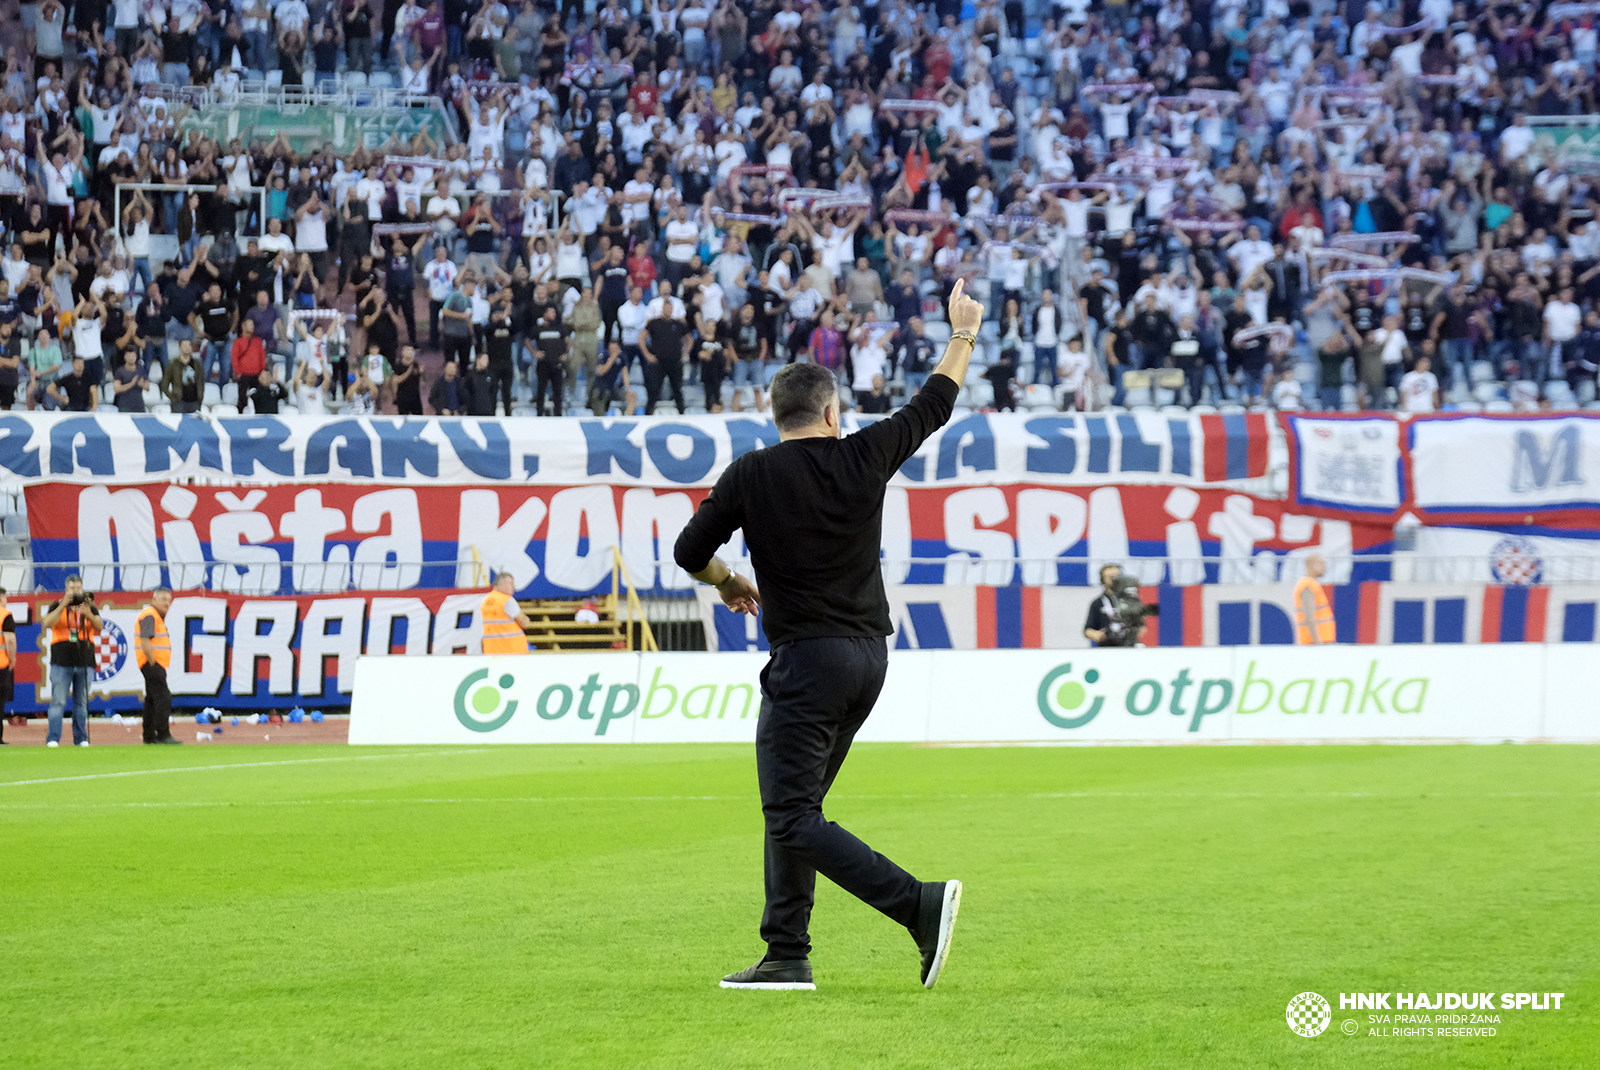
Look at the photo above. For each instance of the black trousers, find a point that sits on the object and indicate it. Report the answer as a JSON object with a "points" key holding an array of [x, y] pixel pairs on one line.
{"points": [[157, 703], [608, 321], [502, 374], [405, 299], [815, 695], [459, 350], [433, 322], [662, 371], [547, 373]]}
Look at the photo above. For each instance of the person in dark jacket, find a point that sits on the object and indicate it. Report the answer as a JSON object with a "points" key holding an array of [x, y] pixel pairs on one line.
{"points": [[480, 391], [449, 394]]}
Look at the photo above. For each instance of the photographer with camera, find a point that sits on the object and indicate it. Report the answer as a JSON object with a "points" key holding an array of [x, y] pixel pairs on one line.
{"points": [[1117, 617], [71, 622]]}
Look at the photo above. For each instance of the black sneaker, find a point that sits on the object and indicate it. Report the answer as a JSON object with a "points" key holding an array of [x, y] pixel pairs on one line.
{"points": [[169, 739], [936, 920], [786, 976]]}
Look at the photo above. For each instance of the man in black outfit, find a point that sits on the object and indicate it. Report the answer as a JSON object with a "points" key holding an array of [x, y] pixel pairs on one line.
{"points": [[811, 509], [664, 343], [1100, 627], [552, 343], [497, 339], [479, 390]]}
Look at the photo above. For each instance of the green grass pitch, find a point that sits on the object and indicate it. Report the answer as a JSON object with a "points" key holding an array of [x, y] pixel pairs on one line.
{"points": [[574, 907]]}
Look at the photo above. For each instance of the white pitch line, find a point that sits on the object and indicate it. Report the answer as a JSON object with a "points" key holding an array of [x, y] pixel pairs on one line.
{"points": [[534, 799], [230, 765]]}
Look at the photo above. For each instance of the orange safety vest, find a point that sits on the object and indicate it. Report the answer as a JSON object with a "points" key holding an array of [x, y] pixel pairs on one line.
{"points": [[5, 658], [501, 634], [73, 626], [1313, 614], [161, 642]]}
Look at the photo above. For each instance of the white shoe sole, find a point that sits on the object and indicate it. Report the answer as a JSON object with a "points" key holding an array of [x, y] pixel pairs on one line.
{"points": [[773, 986], [947, 924]]}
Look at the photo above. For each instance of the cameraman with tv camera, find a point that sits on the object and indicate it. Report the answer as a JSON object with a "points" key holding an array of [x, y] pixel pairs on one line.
{"points": [[1117, 617], [71, 622]]}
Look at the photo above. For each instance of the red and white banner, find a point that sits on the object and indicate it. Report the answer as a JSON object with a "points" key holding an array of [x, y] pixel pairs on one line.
{"points": [[557, 541], [1494, 471], [238, 652]]}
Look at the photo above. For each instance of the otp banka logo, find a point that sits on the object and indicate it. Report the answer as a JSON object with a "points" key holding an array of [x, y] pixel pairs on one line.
{"points": [[1067, 704], [487, 708]]}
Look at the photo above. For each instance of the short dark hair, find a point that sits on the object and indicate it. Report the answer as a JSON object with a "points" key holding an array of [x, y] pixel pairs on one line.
{"points": [[800, 394], [161, 589]]}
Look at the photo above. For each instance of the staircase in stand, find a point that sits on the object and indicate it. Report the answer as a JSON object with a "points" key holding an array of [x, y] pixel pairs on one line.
{"points": [[554, 627]]}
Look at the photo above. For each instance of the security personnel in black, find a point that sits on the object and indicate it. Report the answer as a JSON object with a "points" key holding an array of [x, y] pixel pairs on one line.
{"points": [[498, 337], [551, 368], [664, 343]]}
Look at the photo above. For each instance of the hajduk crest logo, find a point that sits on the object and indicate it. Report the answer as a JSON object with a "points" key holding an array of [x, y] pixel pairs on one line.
{"points": [[1516, 561], [110, 651], [484, 708], [1308, 1014], [1065, 702]]}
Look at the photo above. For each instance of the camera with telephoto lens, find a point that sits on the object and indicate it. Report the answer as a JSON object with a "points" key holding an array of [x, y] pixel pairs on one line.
{"points": [[1128, 614]]}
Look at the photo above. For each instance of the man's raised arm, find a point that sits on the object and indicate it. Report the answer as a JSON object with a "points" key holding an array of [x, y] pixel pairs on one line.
{"points": [[894, 440]]}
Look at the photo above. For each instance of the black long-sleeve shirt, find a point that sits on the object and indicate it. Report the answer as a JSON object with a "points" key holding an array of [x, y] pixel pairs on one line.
{"points": [[812, 514]]}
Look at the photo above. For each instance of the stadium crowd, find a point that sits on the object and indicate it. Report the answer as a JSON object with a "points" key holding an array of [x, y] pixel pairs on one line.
{"points": [[1279, 202]]}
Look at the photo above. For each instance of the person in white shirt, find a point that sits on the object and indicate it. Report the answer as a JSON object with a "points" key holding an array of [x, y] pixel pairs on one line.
{"points": [[1047, 331], [631, 318], [14, 269], [443, 211], [1114, 119], [682, 239], [660, 305], [1276, 94], [275, 240], [1395, 347], [817, 90], [293, 17], [1562, 319], [1119, 212], [1249, 253], [730, 153], [571, 265], [440, 274], [1072, 372], [372, 190], [785, 79], [1287, 395], [588, 205], [1419, 388], [636, 196], [1515, 139]]}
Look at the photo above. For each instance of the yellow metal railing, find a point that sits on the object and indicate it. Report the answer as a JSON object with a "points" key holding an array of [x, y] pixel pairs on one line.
{"points": [[553, 624], [647, 639]]}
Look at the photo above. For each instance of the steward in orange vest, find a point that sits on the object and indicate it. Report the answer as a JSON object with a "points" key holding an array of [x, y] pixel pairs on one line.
{"points": [[1313, 613], [72, 623], [153, 653], [503, 619]]}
